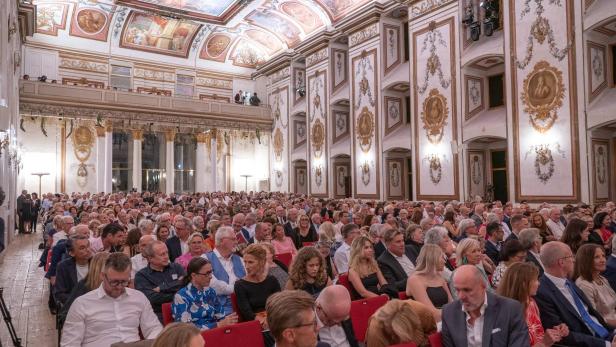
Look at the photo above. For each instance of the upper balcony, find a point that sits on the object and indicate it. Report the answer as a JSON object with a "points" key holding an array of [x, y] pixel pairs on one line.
{"points": [[46, 97]]}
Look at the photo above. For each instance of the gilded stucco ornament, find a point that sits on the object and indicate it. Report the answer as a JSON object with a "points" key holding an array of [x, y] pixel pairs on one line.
{"points": [[318, 138], [476, 170], [83, 139], [434, 116], [278, 144], [433, 63], [543, 92], [365, 129], [364, 88]]}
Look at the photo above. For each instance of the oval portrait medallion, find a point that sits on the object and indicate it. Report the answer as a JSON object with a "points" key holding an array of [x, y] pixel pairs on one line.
{"points": [[318, 137], [365, 129], [278, 144], [434, 115], [542, 95], [91, 21]]}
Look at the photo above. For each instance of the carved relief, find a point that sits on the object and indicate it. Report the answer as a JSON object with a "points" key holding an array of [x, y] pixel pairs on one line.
{"points": [[300, 132], [363, 35], [433, 63], [597, 71], [339, 68], [83, 139], [394, 113], [299, 81], [278, 144], [542, 95], [214, 83], [423, 7], [434, 116], [317, 99], [317, 57], [318, 138], [279, 75], [601, 168], [83, 65], [391, 46], [364, 67], [474, 95], [365, 129], [340, 125], [154, 75]]}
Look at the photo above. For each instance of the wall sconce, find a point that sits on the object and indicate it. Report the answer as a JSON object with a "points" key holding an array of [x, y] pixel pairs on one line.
{"points": [[364, 168], [318, 174], [544, 159], [435, 167], [278, 174]]}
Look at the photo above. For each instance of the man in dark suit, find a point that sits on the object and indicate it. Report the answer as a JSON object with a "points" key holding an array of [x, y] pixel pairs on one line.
{"points": [[495, 321], [530, 238], [178, 244], [395, 263], [291, 223], [610, 270], [18, 209], [518, 223], [560, 301], [73, 269], [495, 239], [333, 307]]}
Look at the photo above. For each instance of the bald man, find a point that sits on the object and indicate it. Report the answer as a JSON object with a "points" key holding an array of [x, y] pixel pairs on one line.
{"points": [[138, 261], [333, 307], [480, 318]]}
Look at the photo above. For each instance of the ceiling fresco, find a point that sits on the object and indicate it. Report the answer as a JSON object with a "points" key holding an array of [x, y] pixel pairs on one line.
{"points": [[239, 32]]}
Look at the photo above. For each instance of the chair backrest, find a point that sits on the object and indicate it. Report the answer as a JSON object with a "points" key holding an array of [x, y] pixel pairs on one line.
{"points": [[343, 280], [361, 311], [236, 335], [235, 307], [402, 296], [408, 344], [285, 258], [167, 315], [436, 340], [308, 244]]}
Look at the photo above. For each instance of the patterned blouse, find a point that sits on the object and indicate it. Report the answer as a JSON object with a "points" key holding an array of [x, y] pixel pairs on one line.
{"points": [[533, 320], [200, 307]]}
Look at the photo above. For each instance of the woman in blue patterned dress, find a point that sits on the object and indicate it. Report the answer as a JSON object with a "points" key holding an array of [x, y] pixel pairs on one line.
{"points": [[197, 303]]}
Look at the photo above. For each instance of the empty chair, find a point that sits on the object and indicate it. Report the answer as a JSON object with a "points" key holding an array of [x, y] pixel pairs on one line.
{"points": [[237, 335]]}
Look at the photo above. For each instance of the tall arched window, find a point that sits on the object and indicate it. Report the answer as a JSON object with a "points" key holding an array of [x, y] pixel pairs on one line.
{"points": [[185, 153], [153, 164]]}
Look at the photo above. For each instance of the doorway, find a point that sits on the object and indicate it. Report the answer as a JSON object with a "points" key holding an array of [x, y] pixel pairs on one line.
{"points": [[499, 175]]}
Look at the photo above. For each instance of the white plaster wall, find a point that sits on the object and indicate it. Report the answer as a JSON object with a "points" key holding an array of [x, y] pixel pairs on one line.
{"points": [[41, 154]]}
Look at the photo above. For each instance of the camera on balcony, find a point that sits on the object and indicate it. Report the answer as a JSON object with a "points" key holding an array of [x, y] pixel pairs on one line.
{"points": [[471, 23], [491, 16]]}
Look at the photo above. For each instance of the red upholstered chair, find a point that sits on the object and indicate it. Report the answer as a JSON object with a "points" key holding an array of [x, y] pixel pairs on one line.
{"points": [[361, 310], [436, 340], [308, 244], [408, 344], [235, 307], [402, 296], [284, 258], [48, 260], [167, 315], [237, 335], [343, 280]]}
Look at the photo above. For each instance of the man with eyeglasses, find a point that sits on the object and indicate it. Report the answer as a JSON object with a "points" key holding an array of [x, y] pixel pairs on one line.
{"points": [[292, 319], [333, 307], [112, 312]]}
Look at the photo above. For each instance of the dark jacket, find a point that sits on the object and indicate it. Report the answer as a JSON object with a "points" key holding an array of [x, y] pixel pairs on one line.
{"points": [[556, 309], [492, 252], [66, 279], [174, 247], [169, 281], [531, 259], [504, 324], [393, 271], [610, 271]]}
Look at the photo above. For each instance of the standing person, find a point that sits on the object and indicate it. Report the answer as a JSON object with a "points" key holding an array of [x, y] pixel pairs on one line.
{"points": [[96, 318], [480, 318], [20, 201], [36, 207], [26, 214]]}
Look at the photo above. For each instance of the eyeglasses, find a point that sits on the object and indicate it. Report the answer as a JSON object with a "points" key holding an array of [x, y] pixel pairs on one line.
{"points": [[313, 324], [117, 283], [206, 274]]}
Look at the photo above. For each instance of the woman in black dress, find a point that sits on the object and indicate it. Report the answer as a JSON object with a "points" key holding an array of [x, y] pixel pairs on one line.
{"points": [[308, 272], [364, 273], [26, 213], [304, 233]]}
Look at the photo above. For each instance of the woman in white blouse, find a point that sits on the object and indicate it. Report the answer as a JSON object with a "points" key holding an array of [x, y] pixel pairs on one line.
{"points": [[589, 264]]}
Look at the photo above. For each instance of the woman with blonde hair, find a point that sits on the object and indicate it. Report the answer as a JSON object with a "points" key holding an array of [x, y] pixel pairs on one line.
{"points": [[520, 283], [426, 284], [399, 322], [196, 248], [364, 273], [308, 272], [469, 252], [328, 233], [179, 335]]}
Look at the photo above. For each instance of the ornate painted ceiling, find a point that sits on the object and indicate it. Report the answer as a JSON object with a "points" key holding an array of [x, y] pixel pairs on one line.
{"points": [[240, 32]]}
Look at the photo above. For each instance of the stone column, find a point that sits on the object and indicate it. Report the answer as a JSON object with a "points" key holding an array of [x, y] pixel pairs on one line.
{"points": [[100, 159], [213, 154], [137, 158], [200, 165], [108, 188], [170, 161]]}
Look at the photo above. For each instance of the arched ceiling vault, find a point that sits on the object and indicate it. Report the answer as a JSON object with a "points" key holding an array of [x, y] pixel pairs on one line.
{"points": [[239, 32]]}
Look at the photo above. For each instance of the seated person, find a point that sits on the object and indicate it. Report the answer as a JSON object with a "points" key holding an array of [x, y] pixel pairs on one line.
{"points": [[561, 301], [161, 279], [304, 233], [253, 290], [512, 252], [479, 317], [308, 272], [195, 249], [400, 322], [275, 267], [73, 269], [292, 319], [176, 335], [223, 259], [395, 263], [364, 273], [197, 302], [325, 248], [520, 283], [281, 242], [95, 318], [468, 252], [589, 264], [138, 261], [426, 285], [333, 307]]}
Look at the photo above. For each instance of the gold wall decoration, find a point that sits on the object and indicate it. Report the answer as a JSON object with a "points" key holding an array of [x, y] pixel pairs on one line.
{"points": [[434, 116], [278, 144], [542, 95], [83, 140], [318, 138], [317, 85], [433, 63], [364, 89], [365, 129]]}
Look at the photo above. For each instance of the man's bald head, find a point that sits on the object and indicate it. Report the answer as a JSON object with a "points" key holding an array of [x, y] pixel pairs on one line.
{"points": [[145, 240], [336, 302]]}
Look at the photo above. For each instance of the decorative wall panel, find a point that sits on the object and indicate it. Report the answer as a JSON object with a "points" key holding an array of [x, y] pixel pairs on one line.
{"points": [[473, 96], [317, 133], [301, 181], [544, 101], [339, 68], [299, 129], [50, 18], [395, 178], [435, 109], [340, 125], [90, 22], [476, 168], [597, 69], [299, 83], [393, 113], [601, 169], [391, 47], [341, 171], [364, 110], [279, 100]]}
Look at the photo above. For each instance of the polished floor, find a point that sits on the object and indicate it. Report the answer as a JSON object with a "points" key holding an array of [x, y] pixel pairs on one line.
{"points": [[25, 294]]}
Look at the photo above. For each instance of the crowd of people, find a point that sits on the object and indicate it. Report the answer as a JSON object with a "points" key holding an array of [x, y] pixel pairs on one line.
{"points": [[497, 274]]}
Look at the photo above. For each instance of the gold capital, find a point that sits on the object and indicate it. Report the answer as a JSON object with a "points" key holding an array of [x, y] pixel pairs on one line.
{"points": [[170, 135], [100, 131], [137, 134], [202, 137]]}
